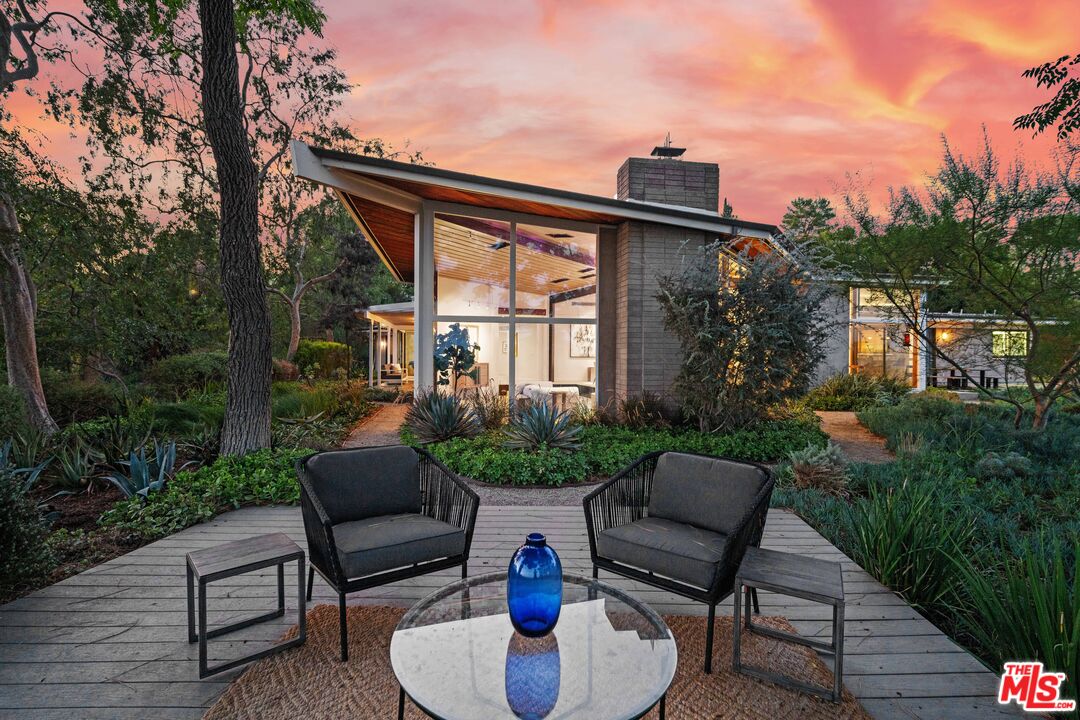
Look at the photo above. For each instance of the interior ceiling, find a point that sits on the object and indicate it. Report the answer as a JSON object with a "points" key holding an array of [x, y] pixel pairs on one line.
{"points": [[466, 253]]}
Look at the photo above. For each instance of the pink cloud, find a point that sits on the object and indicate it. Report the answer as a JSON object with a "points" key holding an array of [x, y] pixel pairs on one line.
{"points": [[787, 95]]}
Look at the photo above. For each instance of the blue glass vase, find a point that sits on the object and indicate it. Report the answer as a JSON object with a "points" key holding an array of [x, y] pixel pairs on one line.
{"points": [[534, 587]]}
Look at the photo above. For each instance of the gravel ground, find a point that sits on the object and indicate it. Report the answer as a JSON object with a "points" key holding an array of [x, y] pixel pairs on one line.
{"points": [[505, 495]]}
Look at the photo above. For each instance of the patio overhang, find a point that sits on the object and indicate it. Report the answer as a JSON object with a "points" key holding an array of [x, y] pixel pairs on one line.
{"points": [[397, 315], [384, 197]]}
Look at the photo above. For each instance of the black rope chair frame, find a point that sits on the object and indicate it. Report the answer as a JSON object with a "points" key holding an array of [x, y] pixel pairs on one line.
{"points": [[625, 498], [444, 496]]}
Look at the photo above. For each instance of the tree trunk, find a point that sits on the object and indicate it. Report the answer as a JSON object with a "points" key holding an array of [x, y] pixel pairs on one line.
{"points": [[18, 309], [1042, 405], [247, 406], [294, 329]]}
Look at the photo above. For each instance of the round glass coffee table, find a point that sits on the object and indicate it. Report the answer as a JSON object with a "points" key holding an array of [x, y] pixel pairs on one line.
{"points": [[457, 657]]}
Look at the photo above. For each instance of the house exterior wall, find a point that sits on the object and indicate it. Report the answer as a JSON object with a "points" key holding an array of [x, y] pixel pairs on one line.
{"points": [[837, 359], [647, 356], [971, 345]]}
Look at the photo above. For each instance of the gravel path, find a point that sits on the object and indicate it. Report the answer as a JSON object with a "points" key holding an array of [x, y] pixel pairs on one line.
{"points": [[858, 443], [379, 428]]}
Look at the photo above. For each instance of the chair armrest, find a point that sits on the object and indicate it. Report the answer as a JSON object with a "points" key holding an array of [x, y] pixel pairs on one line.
{"points": [[322, 551], [446, 497], [621, 500], [750, 529]]}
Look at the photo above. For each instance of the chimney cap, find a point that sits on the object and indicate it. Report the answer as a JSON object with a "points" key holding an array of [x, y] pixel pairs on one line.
{"points": [[665, 150]]}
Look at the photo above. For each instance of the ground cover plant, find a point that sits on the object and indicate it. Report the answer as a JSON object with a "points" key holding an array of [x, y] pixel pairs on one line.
{"points": [[605, 449], [104, 485], [856, 391], [975, 523]]}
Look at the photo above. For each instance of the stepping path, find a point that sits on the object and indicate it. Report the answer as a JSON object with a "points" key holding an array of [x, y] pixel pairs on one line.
{"points": [[858, 443], [379, 428]]}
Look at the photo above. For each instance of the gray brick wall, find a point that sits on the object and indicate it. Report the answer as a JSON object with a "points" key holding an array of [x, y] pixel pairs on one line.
{"points": [[672, 182], [647, 356]]}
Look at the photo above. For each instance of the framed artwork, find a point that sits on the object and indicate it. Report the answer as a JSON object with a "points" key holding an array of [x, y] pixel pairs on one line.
{"points": [[582, 341], [474, 333]]}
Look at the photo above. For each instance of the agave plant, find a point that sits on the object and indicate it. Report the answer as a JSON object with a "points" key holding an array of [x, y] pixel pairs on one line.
{"points": [[541, 425], [27, 446], [121, 438], [9, 463], [76, 463], [434, 417], [143, 476]]}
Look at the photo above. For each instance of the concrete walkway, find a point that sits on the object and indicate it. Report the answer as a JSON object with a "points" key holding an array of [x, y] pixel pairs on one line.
{"points": [[858, 443]]}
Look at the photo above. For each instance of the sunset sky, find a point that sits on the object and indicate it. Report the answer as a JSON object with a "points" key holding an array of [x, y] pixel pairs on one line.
{"points": [[786, 95]]}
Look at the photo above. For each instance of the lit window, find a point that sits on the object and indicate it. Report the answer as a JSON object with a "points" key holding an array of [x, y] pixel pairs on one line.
{"points": [[1009, 343]]}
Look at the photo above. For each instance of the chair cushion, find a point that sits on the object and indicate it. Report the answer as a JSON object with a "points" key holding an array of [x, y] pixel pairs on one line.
{"points": [[366, 482], [706, 492], [378, 544], [665, 547]]}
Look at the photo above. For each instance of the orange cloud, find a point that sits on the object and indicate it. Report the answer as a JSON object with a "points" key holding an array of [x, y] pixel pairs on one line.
{"points": [[787, 95]]}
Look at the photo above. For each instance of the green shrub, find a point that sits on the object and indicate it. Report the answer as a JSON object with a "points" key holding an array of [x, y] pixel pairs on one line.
{"points": [[1002, 466], [605, 450], [12, 418], [823, 468], [322, 358], [25, 557], [435, 416], [856, 391], [263, 477], [180, 374], [908, 538], [491, 408], [541, 426], [383, 394], [72, 399], [645, 410], [1031, 611]]}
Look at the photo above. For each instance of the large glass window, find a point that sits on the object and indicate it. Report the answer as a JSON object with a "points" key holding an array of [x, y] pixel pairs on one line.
{"points": [[1009, 343], [546, 337], [883, 350], [472, 266]]}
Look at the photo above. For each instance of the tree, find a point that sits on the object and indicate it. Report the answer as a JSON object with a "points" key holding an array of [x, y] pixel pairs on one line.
{"points": [[20, 25], [1005, 242], [197, 117], [750, 338], [304, 233], [1064, 108], [247, 406], [806, 219]]}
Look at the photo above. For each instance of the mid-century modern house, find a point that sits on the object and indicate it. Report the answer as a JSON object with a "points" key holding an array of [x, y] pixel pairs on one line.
{"points": [[556, 287]]}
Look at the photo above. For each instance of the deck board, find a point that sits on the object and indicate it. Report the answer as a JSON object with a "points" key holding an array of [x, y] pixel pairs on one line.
{"points": [[111, 641]]}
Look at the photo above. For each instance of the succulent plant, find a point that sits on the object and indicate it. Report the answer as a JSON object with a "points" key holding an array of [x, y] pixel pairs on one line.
{"points": [[540, 425], [435, 416]]}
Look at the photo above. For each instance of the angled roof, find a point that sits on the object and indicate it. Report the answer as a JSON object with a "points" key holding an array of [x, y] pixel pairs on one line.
{"points": [[383, 195]]}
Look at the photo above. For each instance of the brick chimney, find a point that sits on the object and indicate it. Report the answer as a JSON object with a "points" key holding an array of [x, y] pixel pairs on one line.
{"points": [[671, 182]]}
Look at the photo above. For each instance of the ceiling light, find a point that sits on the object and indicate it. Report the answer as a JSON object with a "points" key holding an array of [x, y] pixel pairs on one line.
{"points": [[556, 281], [499, 245], [583, 277], [560, 236]]}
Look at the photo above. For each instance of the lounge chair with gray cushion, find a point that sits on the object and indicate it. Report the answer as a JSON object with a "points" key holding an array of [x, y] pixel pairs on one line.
{"points": [[377, 515], [680, 522]]}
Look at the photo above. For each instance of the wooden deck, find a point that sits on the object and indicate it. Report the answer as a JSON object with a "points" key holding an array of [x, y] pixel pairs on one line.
{"points": [[111, 642]]}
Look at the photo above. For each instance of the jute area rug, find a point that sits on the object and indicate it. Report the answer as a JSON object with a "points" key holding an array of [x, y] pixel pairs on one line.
{"points": [[311, 682]]}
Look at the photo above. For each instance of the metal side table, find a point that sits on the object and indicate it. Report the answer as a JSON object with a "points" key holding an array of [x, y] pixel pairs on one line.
{"points": [[236, 558], [796, 576]]}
